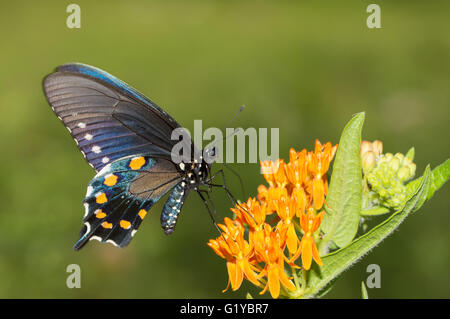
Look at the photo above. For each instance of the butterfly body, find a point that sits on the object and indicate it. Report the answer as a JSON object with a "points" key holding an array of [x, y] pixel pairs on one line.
{"points": [[126, 138]]}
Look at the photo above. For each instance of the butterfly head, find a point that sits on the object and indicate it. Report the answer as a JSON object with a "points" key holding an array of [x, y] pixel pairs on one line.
{"points": [[210, 154]]}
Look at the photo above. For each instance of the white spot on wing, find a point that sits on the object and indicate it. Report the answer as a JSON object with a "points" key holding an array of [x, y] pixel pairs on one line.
{"points": [[95, 238], [104, 170], [90, 189], [88, 227], [88, 137], [96, 149], [81, 125], [112, 242], [105, 160], [86, 208]]}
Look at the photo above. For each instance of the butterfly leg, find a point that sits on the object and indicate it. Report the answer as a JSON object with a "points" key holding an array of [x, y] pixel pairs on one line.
{"points": [[225, 188], [238, 176], [199, 192], [206, 192]]}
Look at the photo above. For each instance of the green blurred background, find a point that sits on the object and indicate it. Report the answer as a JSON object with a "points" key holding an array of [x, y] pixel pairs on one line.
{"points": [[303, 67]]}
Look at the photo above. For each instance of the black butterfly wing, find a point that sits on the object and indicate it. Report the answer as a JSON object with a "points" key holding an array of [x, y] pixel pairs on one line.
{"points": [[107, 118]]}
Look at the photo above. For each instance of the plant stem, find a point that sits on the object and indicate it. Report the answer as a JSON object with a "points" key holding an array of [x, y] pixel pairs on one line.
{"points": [[302, 289], [297, 283]]}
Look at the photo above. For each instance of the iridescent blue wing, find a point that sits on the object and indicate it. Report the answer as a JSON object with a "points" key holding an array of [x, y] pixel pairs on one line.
{"points": [[120, 195], [107, 118]]}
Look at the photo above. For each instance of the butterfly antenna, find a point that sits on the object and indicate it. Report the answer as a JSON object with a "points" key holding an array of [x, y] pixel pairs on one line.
{"points": [[236, 115], [231, 121]]}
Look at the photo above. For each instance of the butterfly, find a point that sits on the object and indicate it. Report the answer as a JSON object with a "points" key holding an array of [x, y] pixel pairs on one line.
{"points": [[126, 138]]}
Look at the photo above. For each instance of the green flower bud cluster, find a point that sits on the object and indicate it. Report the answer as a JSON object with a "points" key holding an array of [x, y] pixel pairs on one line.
{"points": [[388, 177]]}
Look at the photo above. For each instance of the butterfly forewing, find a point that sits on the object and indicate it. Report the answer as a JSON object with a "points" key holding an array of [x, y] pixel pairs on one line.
{"points": [[108, 119]]}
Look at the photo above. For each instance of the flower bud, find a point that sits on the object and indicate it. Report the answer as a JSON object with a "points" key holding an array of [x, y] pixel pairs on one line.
{"points": [[400, 157], [377, 147], [388, 157], [386, 179], [394, 164], [368, 162], [412, 168], [403, 173], [366, 146], [370, 151]]}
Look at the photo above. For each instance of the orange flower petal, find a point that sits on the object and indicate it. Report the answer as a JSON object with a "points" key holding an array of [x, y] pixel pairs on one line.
{"points": [[250, 274], [317, 221], [286, 282], [273, 282], [300, 195], [306, 251], [235, 275], [292, 239], [318, 193], [226, 288], [292, 155], [315, 254]]}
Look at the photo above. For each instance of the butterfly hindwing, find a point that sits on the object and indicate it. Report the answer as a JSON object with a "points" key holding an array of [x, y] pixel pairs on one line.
{"points": [[107, 118], [120, 195]]}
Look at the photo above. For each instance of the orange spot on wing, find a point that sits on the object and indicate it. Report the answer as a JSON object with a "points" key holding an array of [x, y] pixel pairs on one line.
{"points": [[101, 198], [125, 224], [110, 180], [107, 225], [137, 162], [142, 213], [99, 213]]}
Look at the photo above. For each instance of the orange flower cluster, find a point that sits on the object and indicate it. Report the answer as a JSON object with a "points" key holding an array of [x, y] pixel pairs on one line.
{"points": [[295, 194]]}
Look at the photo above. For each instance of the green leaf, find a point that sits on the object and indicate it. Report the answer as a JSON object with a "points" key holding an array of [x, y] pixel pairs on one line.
{"points": [[345, 191], [439, 176], [337, 262], [374, 211], [327, 288], [364, 293]]}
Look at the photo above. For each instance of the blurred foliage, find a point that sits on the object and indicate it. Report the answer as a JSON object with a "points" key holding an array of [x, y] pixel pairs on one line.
{"points": [[303, 67]]}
